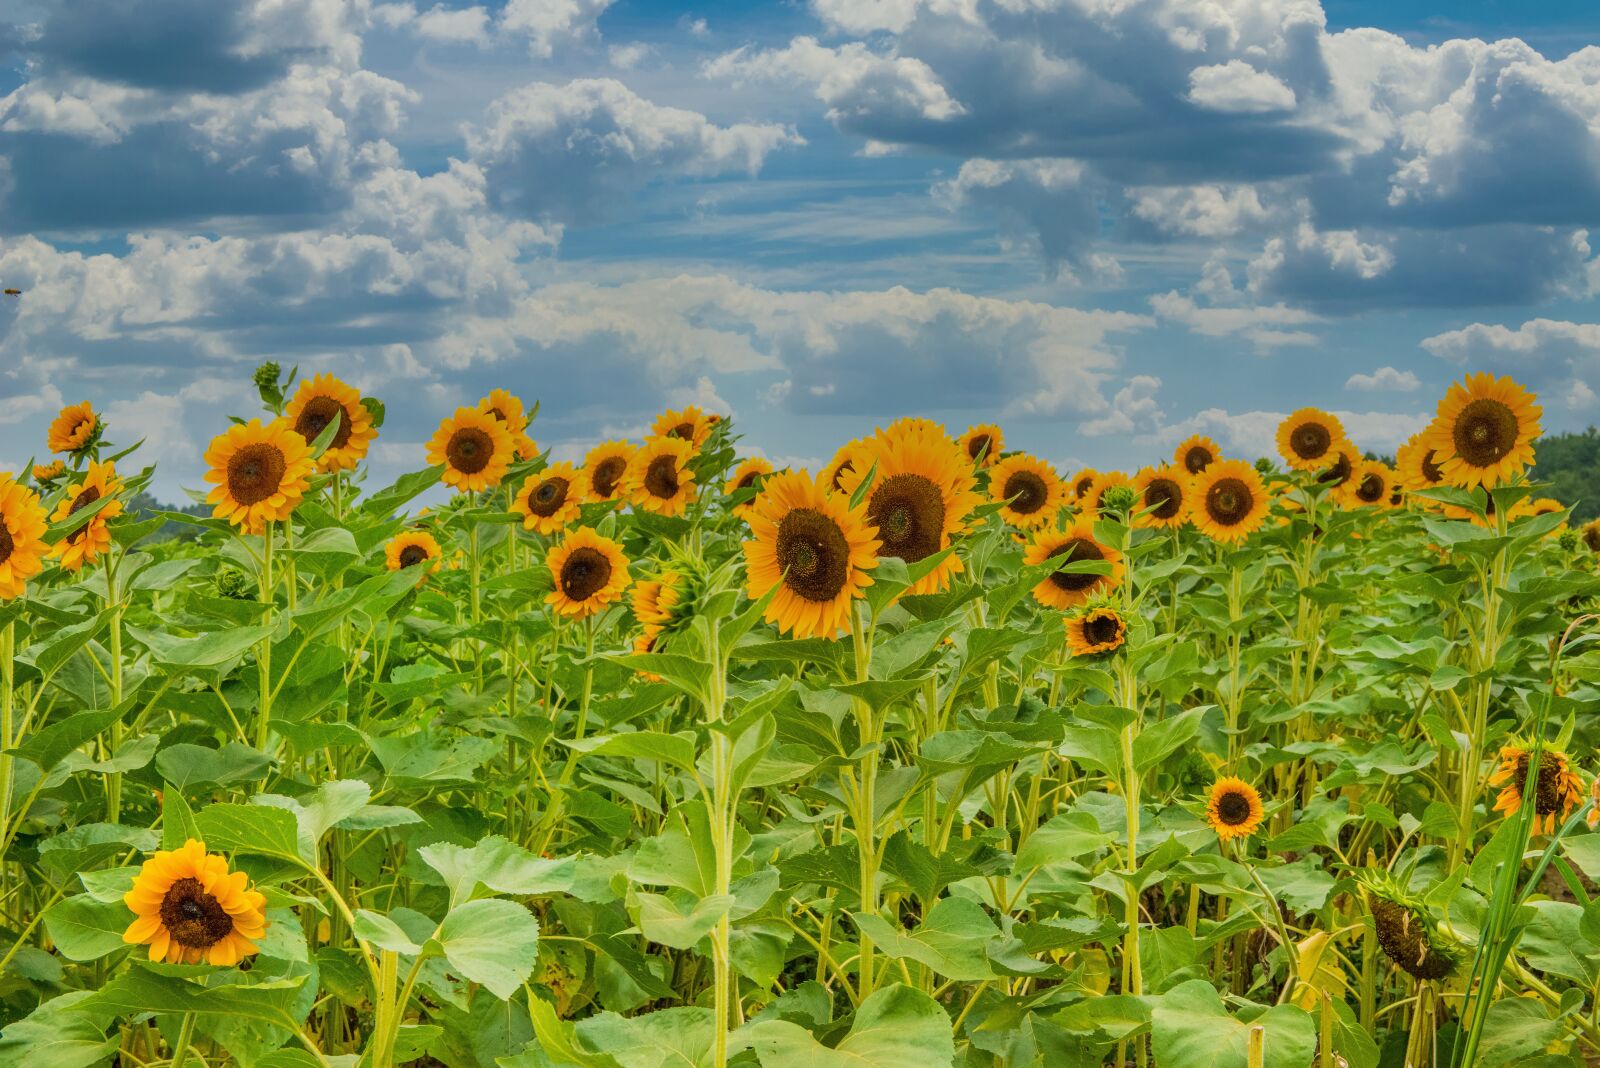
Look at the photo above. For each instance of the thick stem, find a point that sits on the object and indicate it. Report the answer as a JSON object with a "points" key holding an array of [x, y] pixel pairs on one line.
{"points": [[264, 651], [180, 1052]]}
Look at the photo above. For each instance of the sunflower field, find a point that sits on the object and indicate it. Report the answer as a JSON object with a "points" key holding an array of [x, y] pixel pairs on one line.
{"points": [[936, 756]]}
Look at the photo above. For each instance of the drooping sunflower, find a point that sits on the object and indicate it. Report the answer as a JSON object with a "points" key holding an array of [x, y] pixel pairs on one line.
{"points": [[1307, 438], [1484, 431], [549, 500], [1076, 544], [658, 603], [1082, 482], [261, 473], [507, 408], [1096, 631], [1091, 501], [74, 429], [659, 478], [1234, 808], [1407, 932], [318, 402], [1029, 488], [748, 475], [475, 448], [690, 424], [1557, 792], [843, 462], [1417, 467], [604, 469], [1196, 453], [88, 542], [982, 443], [189, 909], [816, 547], [1228, 501], [1164, 491], [22, 526], [1340, 469], [413, 548], [921, 497], [1370, 485], [589, 571]]}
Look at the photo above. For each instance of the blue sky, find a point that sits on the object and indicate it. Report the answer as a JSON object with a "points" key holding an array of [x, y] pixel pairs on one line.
{"points": [[1104, 225]]}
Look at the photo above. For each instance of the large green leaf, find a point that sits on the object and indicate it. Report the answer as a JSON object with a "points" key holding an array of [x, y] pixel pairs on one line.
{"points": [[896, 1027], [492, 942], [1194, 1029]]}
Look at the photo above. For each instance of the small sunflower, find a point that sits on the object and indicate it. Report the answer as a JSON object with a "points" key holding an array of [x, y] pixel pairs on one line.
{"points": [[549, 500], [22, 527], [1228, 501], [1076, 544], [88, 542], [1417, 467], [690, 424], [475, 447], [659, 478], [49, 472], [189, 909], [1234, 809], [1371, 485], [1340, 469], [1092, 500], [1196, 453], [590, 572], [1547, 506], [1028, 489], [748, 475], [646, 643], [658, 603], [842, 464], [1590, 534], [604, 468], [508, 410], [74, 429], [812, 544], [1308, 437], [261, 473], [983, 443], [1557, 793], [1082, 482], [1484, 430], [1407, 932], [1096, 632], [413, 548], [1164, 492], [318, 402]]}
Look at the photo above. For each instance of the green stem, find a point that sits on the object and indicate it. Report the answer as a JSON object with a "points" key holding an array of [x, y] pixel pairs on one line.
{"points": [[180, 1052], [264, 651]]}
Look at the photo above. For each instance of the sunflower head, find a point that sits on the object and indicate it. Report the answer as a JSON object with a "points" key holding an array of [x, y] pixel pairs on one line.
{"points": [[549, 500], [93, 539], [1195, 454], [1557, 791], [1082, 482], [982, 443], [22, 527], [318, 404], [1163, 496], [665, 604], [604, 469], [1370, 485], [749, 475], [260, 472], [1228, 501], [1096, 631], [589, 572], [1094, 500], [508, 410], [815, 547], [74, 430], [1590, 535], [1028, 490], [1075, 545], [688, 424], [1308, 437], [1407, 932], [1339, 469], [190, 909], [1484, 431], [475, 448], [1233, 809], [414, 549], [660, 478], [1417, 467], [842, 464], [44, 474]]}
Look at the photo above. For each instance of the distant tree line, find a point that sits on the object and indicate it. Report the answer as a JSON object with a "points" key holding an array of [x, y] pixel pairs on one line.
{"points": [[143, 506], [1571, 464]]}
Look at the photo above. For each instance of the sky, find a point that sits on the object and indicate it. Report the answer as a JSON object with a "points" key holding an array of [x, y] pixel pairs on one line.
{"points": [[1104, 224]]}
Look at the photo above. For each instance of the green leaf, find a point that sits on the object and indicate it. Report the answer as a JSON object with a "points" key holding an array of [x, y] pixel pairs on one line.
{"points": [[896, 1027], [186, 766], [259, 830], [272, 1002], [1159, 740], [177, 819], [323, 809], [950, 939], [1194, 1029], [84, 928], [381, 931], [1065, 836], [54, 1036], [1516, 1030], [502, 866], [197, 651], [663, 921], [556, 1037], [675, 749], [492, 942]]}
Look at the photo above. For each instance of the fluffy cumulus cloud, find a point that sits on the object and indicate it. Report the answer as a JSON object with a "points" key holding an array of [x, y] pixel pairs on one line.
{"points": [[1559, 359], [1385, 380]]}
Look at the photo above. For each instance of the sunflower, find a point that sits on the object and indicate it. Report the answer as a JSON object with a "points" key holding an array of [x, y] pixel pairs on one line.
{"points": [[658, 603], [1076, 544], [1545, 506], [646, 643], [1163, 496], [589, 571], [1484, 430], [22, 526], [413, 548], [843, 462], [74, 429], [261, 473], [816, 547], [84, 545], [659, 478], [1338, 472], [1371, 484], [1407, 933], [189, 909], [1228, 501], [549, 500], [318, 402], [1091, 500], [507, 408], [921, 496], [475, 448], [983, 443], [691, 425], [49, 472], [1590, 533], [1307, 437], [1558, 791], [1196, 453], [1234, 809], [604, 468], [1097, 631], [748, 475], [1029, 491], [1417, 468], [1081, 483]]}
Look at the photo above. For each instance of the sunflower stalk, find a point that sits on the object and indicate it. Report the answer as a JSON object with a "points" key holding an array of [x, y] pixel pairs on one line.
{"points": [[269, 597]]}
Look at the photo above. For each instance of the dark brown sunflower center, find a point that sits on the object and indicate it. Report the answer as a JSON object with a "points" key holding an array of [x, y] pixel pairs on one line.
{"points": [[413, 555], [82, 500], [499, 416], [1076, 551], [839, 472], [1591, 538], [82, 429], [1403, 937], [747, 481], [1371, 489], [1484, 432], [813, 554], [1103, 628], [584, 573], [315, 417], [1338, 474], [1233, 808], [1311, 441], [548, 496], [1430, 470], [683, 431], [7, 545], [1026, 491], [661, 477], [1197, 459], [255, 472], [1547, 792], [470, 450], [1229, 501], [1165, 496], [193, 917], [607, 473], [1082, 486], [908, 511], [980, 445]]}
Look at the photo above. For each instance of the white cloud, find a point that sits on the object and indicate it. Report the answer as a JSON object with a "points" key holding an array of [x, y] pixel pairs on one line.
{"points": [[628, 56], [1265, 325], [849, 78], [1558, 359], [1385, 380], [548, 23], [1235, 86]]}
